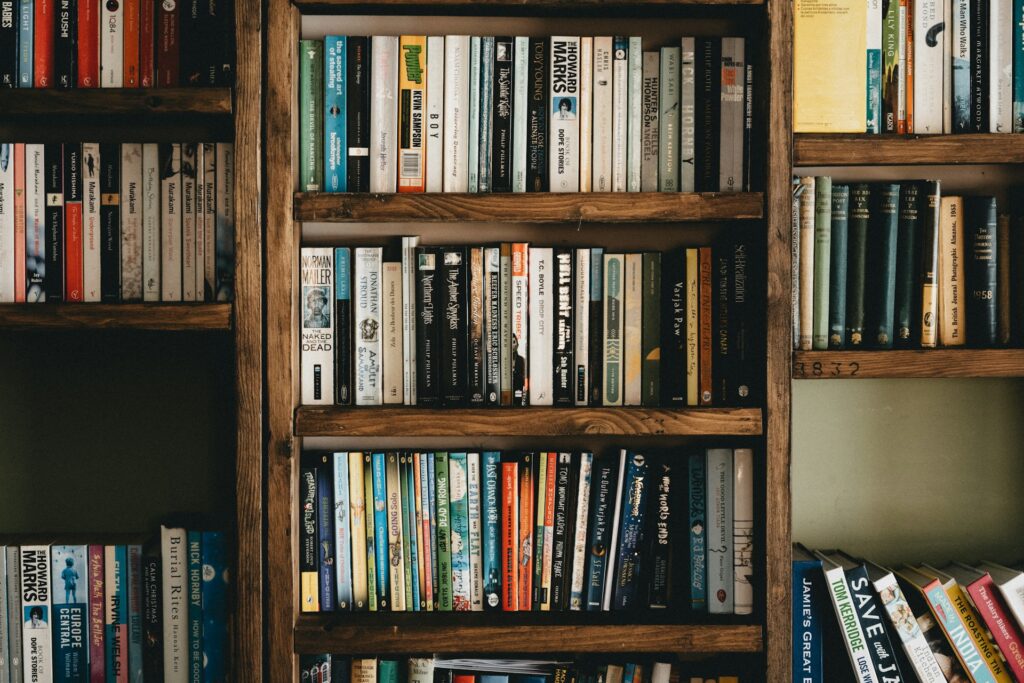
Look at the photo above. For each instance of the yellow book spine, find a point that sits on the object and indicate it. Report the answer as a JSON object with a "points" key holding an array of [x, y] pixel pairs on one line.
{"points": [[412, 112], [692, 327], [974, 626], [829, 67], [951, 272]]}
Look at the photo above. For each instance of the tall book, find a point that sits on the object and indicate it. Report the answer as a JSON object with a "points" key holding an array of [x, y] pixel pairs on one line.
{"points": [[620, 111], [563, 302], [195, 606], [392, 343], [613, 543], [475, 77], [454, 322], [687, 115], [458, 503], [395, 540], [457, 78], [846, 614], [931, 212], [428, 311], [708, 106], [980, 267], [360, 525], [173, 571], [823, 46], [807, 205], [335, 138], [335, 501], [613, 328], [881, 291], [602, 84], [580, 371], [52, 273], [537, 171], [357, 112], [97, 618], [519, 317], [586, 113], [633, 496], [344, 326], [733, 88], [170, 222], [503, 84], [635, 70], [980, 66], [110, 220], [720, 491], [509, 481], [857, 254], [7, 218], [189, 223], [311, 119], [541, 317], [650, 373], [822, 252], [35, 621], [384, 54], [309, 567], [928, 17], [564, 109], [69, 575], [673, 327], [434, 126], [693, 277], [73, 278], [576, 577], [377, 492], [409, 352], [807, 590], [317, 327], [632, 330], [743, 531], [907, 254], [412, 104], [1011, 587], [596, 345], [150, 210], [837, 266], [131, 223], [891, 72], [527, 492], [649, 117], [368, 349], [669, 164], [951, 271], [215, 624], [492, 323], [490, 519], [225, 221]]}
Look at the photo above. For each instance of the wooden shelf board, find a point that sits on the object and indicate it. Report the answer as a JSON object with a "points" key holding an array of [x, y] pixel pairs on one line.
{"points": [[320, 6], [115, 101], [315, 633], [541, 421], [862, 150], [908, 363], [45, 316], [540, 207]]}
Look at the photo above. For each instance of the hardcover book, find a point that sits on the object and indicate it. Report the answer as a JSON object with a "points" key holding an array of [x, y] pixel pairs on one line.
{"points": [[720, 492], [613, 330], [384, 114], [823, 46]]}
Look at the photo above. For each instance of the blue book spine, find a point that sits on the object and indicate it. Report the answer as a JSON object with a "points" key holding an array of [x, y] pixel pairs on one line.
{"points": [[335, 124], [371, 540], [432, 496], [380, 530], [325, 533], [69, 592], [427, 512], [874, 91], [628, 673], [603, 493], [808, 663], [26, 11], [458, 504], [496, 678], [342, 532], [1018, 66], [698, 544], [486, 110], [195, 607], [135, 613], [115, 621], [490, 515], [215, 614], [631, 524], [409, 509]]}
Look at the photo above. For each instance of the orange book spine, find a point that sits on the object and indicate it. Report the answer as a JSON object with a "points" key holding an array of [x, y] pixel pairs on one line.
{"points": [[19, 222], [132, 9], [551, 468], [704, 318], [526, 470], [509, 535]]}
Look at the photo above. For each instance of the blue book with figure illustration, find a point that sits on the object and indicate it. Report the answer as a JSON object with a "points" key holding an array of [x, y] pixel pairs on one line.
{"points": [[380, 531], [458, 505], [490, 517], [698, 545], [70, 595], [215, 620]]}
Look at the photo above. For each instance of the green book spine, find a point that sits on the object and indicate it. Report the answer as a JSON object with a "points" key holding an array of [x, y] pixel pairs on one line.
{"points": [[650, 374], [907, 241], [837, 269], [371, 561], [1017, 267], [857, 248], [890, 66], [404, 464], [980, 240], [311, 107], [822, 247], [883, 271], [444, 528], [387, 671]]}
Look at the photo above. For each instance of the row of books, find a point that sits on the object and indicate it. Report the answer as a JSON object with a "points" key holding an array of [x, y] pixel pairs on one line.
{"points": [[518, 325], [900, 265], [110, 613], [129, 44], [325, 668], [523, 114], [116, 222], [533, 531], [961, 623], [913, 66]]}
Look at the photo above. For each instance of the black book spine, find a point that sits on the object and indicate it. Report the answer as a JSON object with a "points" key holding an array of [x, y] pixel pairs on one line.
{"points": [[537, 118], [53, 159], [980, 241], [1017, 266], [501, 141], [454, 336], [870, 613], [660, 537], [673, 329], [212, 30], [228, 46], [907, 313], [344, 332], [193, 52], [428, 308], [65, 47], [979, 66], [563, 381], [152, 616], [709, 106], [560, 554], [110, 222], [748, 127], [570, 529], [746, 308], [476, 359], [721, 345], [837, 273], [8, 44], [595, 343], [857, 244], [358, 113]]}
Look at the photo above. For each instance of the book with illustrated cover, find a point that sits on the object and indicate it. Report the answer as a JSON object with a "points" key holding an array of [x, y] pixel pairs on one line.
{"points": [[317, 328], [634, 507], [490, 516], [70, 597], [35, 620], [395, 539], [476, 372], [412, 68], [501, 172], [458, 501], [444, 532], [335, 110], [563, 326], [485, 132], [564, 109], [454, 325], [475, 528], [368, 290], [195, 608]]}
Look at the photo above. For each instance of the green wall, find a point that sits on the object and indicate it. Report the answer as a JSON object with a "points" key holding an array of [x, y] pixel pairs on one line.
{"points": [[910, 470]]}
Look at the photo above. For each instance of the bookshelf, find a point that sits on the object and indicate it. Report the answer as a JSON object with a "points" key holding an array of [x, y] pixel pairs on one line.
{"points": [[167, 317], [623, 221], [919, 363], [906, 150], [115, 102]]}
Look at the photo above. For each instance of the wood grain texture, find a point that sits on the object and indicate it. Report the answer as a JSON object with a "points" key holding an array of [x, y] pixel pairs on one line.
{"points": [[862, 150], [327, 6], [550, 207], [168, 317], [910, 363], [316, 634], [115, 101], [455, 422]]}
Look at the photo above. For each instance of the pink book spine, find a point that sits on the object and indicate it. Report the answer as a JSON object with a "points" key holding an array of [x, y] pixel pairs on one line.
{"points": [[19, 222], [1004, 631], [97, 626]]}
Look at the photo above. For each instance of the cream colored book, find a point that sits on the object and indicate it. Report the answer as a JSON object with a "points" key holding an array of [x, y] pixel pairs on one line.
{"points": [[632, 348], [392, 366], [829, 67], [951, 272], [586, 112], [806, 262], [357, 521]]}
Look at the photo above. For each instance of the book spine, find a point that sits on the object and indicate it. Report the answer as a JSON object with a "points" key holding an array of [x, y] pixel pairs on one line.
{"points": [[49, 268], [611, 394], [168, 46], [565, 132], [147, 44], [586, 114], [869, 614], [170, 222], [673, 328], [73, 279], [26, 57], [9, 44], [837, 270], [188, 221], [705, 364], [961, 66], [333, 503], [214, 599], [473, 163], [577, 571], [369, 512], [912, 639], [1003, 299], [506, 363], [931, 243], [635, 69], [97, 623], [563, 330], [15, 616], [537, 117], [874, 67], [579, 371], [906, 38], [882, 292], [906, 272], [595, 388], [720, 586], [454, 333], [509, 533], [743, 531], [632, 330], [1000, 85], [708, 100], [112, 44], [649, 121], [381, 549], [309, 570], [620, 111], [195, 607], [391, 332], [485, 137], [692, 327], [5, 652], [457, 108], [527, 480], [547, 475], [65, 55], [409, 353], [444, 530], [92, 238], [610, 573], [435, 114], [519, 337], [951, 271], [42, 44], [458, 501], [490, 517], [822, 251], [384, 108], [395, 539], [744, 375], [980, 67], [68, 567], [661, 535], [367, 286], [412, 74], [353, 525], [1018, 66], [853, 634], [493, 320], [317, 270], [733, 86], [598, 532], [687, 115], [634, 507], [311, 107], [957, 632], [805, 250], [335, 124], [980, 237], [37, 639], [562, 533], [130, 38], [476, 573], [427, 327], [344, 329], [357, 113], [225, 221], [891, 66], [999, 623], [671, 168], [502, 114], [407, 510], [150, 210], [131, 223], [602, 129], [26, 185], [794, 253], [423, 534], [173, 573], [476, 372]]}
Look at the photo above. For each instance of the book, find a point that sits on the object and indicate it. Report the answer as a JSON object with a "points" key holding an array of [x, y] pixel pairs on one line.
{"points": [[92, 261], [845, 611], [189, 214], [537, 172], [427, 326], [73, 276], [634, 507], [368, 323], [509, 533], [35, 620], [979, 230], [687, 115], [575, 579], [1011, 587], [733, 84], [907, 254], [720, 492], [475, 77], [70, 596], [705, 367], [673, 326], [485, 137], [311, 106], [474, 540], [708, 107], [596, 345], [823, 46], [613, 329], [929, 62], [317, 274], [490, 516], [97, 613], [563, 301], [693, 277], [173, 572], [412, 74], [384, 53], [444, 528], [634, 70], [519, 293], [822, 251], [131, 224], [880, 293], [395, 539], [214, 598], [502, 113], [951, 271], [620, 111], [930, 244], [669, 166], [335, 494], [807, 255], [563, 105], [808, 661], [615, 520], [51, 275], [632, 333], [837, 266], [650, 121], [453, 338], [195, 608], [458, 501], [170, 222], [586, 113], [457, 76], [110, 220], [602, 128], [981, 592], [527, 479], [979, 65], [335, 101], [580, 371], [743, 531], [651, 334], [392, 343], [434, 115]]}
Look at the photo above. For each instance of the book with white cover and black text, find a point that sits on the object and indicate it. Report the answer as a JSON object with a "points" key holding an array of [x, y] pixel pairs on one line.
{"points": [[564, 110], [316, 296]]}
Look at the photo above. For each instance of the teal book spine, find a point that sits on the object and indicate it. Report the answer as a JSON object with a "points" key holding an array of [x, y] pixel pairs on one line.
{"points": [[404, 466], [26, 35], [134, 552], [874, 90], [907, 246], [458, 504], [883, 271], [195, 607], [490, 516], [387, 671], [116, 618], [380, 530], [444, 537], [69, 592], [311, 107], [335, 115], [371, 536], [1018, 66], [857, 246], [822, 249], [409, 508], [837, 269], [981, 254], [215, 615]]}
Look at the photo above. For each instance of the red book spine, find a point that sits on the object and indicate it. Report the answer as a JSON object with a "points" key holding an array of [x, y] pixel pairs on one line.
{"points": [[88, 43], [19, 222], [463, 678], [1003, 629], [97, 625], [704, 317], [168, 61], [147, 48], [131, 44], [526, 532], [509, 535], [74, 281], [549, 529], [42, 44]]}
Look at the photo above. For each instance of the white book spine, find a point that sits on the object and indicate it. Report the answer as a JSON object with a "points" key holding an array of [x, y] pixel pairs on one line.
{"points": [[435, 113], [91, 221], [946, 44], [175, 606], [719, 531], [150, 222], [456, 113], [344, 496], [913, 640], [602, 128], [409, 245], [188, 222], [225, 237], [743, 530], [170, 222], [476, 564], [635, 122], [35, 207], [564, 110], [520, 86], [581, 342], [210, 220], [1011, 588], [474, 114], [661, 672], [37, 626], [586, 114], [384, 114], [613, 327], [368, 302], [199, 278], [853, 639], [541, 318], [112, 45], [688, 115], [649, 122], [1000, 69], [632, 332], [613, 545], [730, 165], [131, 222], [392, 329], [929, 77], [579, 547], [620, 112], [6, 222], [316, 273]]}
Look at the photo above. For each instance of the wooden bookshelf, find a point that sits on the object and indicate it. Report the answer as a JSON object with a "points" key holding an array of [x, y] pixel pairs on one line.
{"points": [[50, 102], [908, 363], [77, 316], [329, 6], [902, 150]]}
